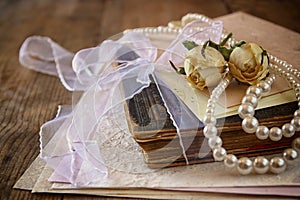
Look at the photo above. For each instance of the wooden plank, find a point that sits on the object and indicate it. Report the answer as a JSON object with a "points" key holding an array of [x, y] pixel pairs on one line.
{"points": [[157, 13], [28, 99]]}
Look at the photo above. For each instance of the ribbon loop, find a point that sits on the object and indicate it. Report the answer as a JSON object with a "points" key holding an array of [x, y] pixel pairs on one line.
{"points": [[109, 74]]}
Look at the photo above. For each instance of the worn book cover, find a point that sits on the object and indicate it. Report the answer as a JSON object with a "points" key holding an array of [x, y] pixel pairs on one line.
{"points": [[160, 142]]}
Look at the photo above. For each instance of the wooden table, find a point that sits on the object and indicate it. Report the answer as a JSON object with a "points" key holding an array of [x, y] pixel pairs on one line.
{"points": [[28, 99]]}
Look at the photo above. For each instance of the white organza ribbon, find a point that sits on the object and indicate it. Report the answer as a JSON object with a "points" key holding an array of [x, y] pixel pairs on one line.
{"points": [[44, 55], [108, 75]]}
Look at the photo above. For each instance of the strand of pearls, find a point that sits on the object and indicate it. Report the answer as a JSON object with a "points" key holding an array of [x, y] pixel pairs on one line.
{"points": [[170, 29], [250, 124], [156, 30], [249, 102], [245, 165], [260, 164]]}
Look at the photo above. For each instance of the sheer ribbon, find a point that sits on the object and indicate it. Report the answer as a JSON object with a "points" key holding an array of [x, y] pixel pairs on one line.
{"points": [[109, 74]]}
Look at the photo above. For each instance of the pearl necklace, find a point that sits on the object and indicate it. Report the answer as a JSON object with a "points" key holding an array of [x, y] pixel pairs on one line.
{"points": [[260, 164], [250, 124], [245, 165]]}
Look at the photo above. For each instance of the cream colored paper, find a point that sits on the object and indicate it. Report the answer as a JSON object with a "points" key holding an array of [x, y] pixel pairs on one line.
{"points": [[232, 97], [42, 185]]}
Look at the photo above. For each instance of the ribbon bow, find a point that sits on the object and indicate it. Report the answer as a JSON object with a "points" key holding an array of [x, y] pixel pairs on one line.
{"points": [[108, 75]]}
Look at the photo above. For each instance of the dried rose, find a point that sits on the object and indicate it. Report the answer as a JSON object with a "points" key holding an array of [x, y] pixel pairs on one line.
{"points": [[204, 70], [248, 63]]}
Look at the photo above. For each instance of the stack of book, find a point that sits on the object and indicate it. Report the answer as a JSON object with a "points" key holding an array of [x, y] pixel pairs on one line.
{"points": [[154, 131]]}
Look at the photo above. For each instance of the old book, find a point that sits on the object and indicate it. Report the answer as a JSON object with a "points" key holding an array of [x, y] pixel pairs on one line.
{"points": [[161, 145]]}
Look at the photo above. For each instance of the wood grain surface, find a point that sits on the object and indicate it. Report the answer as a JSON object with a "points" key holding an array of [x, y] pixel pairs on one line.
{"points": [[28, 99]]}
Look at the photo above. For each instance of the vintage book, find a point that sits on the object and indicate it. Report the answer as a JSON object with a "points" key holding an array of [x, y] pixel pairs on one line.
{"points": [[160, 143]]}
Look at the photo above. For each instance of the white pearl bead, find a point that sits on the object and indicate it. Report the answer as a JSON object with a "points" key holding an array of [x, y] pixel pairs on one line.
{"points": [[277, 165], [266, 88], [211, 102], [297, 96], [217, 92], [275, 134], [279, 70], [244, 166], [262, 132], [214, 142], [250, 124], [250, 98], [210, 131], [288, 130], [296, 123], [292, 83], [209, 119], [219, 153], [246, 110], [296, 144], [287, 74], [257, 91], [289, 79], [270, 79], [297, 88], [290, 155], [209, 110], [230, 160], [261, 165]]}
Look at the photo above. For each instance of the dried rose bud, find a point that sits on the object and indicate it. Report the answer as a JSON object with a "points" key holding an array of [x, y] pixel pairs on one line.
{"points": [[204, 70], [248, 63]]}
